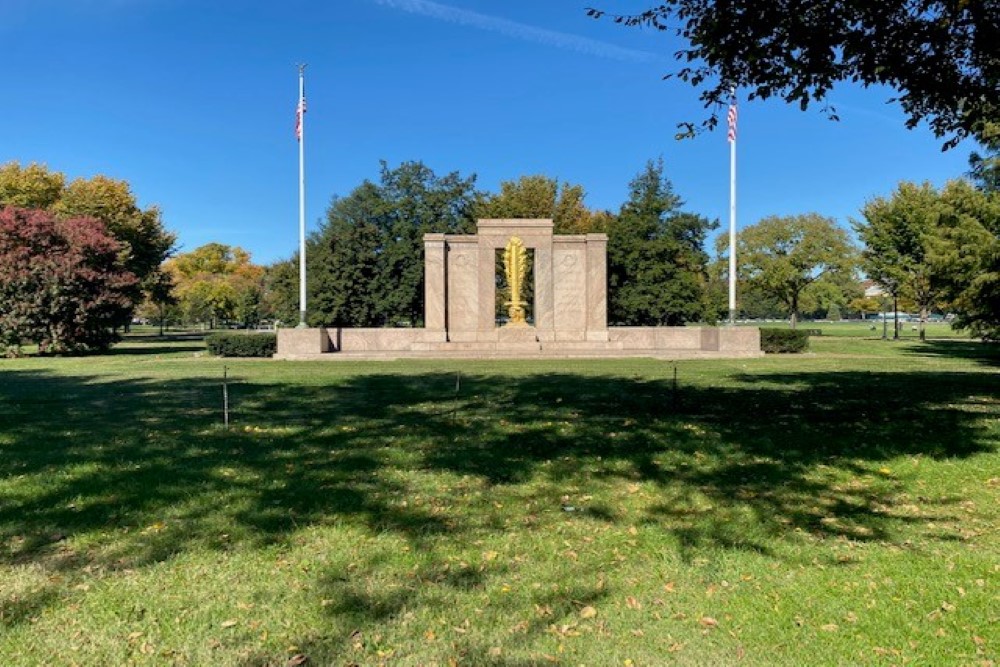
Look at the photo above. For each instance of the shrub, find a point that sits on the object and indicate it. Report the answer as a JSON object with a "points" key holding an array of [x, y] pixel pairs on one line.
{"points": [[783, 340], [242, 344]]}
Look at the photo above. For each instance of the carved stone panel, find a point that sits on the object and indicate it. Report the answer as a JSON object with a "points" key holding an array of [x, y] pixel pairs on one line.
{"points": [[569, 287], [463, 287]]}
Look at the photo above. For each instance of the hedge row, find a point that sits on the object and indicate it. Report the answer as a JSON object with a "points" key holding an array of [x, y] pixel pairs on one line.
{"points": [[242, 344], [784, 340]]}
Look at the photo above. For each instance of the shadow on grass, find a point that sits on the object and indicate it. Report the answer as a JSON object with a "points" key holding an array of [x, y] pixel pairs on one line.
{"points": [[140, 470], [987, 354], [130, 349], [153, 343]]}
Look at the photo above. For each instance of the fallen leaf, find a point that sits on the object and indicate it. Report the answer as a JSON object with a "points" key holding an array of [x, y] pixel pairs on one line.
{"points": [[829, 627], [588, 612], [297, 659], [708, 621], [229, 623]]}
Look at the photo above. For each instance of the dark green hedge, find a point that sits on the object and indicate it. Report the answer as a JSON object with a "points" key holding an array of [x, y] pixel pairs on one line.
{"points": [[784, 340], [234, 344]]}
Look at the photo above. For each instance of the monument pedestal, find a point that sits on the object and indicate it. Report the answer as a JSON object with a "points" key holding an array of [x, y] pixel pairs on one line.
{"points": [[517, 338]]}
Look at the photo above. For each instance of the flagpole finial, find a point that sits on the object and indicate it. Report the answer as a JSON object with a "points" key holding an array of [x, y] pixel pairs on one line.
{"points": [[302, 68]]}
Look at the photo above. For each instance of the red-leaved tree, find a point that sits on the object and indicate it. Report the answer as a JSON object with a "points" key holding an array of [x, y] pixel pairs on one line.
{"points": [[63, 283]]}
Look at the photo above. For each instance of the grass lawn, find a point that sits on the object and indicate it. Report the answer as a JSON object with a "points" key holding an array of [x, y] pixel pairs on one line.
{"points": [[875, 329], [835, 508]]}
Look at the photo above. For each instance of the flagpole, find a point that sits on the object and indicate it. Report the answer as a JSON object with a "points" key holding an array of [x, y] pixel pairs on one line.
{"points": [[732, 211], [301, 129]]}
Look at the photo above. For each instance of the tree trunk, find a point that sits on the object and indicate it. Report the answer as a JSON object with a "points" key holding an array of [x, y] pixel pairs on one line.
{"points": [[795, 311], [895, 318], [923, 323]]}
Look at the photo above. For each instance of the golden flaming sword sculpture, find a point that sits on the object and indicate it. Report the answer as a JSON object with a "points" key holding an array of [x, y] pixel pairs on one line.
{"points": [[515, 264]]}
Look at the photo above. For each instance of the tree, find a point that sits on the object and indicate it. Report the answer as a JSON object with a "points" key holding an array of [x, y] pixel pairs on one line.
{"points": [[366, 262], [542, 197], [965, 257], [346, 261], [657, 268], [828, 297], [160, 302], [897, 233], [416, 202], [33, 187], [280, 298], [865, 305], [217, 283], [984, 168], [782, 256], [145, 243], [62, 282], [939, 55]]}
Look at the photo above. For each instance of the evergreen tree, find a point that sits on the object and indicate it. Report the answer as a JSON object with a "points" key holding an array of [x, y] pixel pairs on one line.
{"points": [[415, 202], [366, 263], [344, 261], [657, 266]]}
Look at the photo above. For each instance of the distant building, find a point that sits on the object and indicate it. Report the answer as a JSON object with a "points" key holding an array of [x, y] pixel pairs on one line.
{"points": [[872, 289]]}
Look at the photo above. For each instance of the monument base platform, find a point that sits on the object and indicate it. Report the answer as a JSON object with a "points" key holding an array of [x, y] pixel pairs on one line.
{"points": [[518, 343]]}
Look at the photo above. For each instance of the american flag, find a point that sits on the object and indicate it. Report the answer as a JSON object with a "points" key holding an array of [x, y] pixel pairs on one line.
{"points": [[299, 111], [732, 121]]}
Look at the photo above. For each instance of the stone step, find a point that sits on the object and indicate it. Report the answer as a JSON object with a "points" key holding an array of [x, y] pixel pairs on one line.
{"points": [[388, 355]]}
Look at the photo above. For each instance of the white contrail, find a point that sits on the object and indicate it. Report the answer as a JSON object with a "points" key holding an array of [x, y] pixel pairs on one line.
{"points": [[865, 111], [519, 30]]}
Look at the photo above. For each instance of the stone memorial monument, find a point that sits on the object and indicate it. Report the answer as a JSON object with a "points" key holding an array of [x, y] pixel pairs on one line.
{"points": [[567, 305]]}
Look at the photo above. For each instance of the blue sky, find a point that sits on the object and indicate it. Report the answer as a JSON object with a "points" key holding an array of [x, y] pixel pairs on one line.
{"points": [[192, 102]]}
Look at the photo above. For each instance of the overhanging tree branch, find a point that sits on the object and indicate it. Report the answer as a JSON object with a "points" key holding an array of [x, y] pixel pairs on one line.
{"points": [[940, 56]]}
